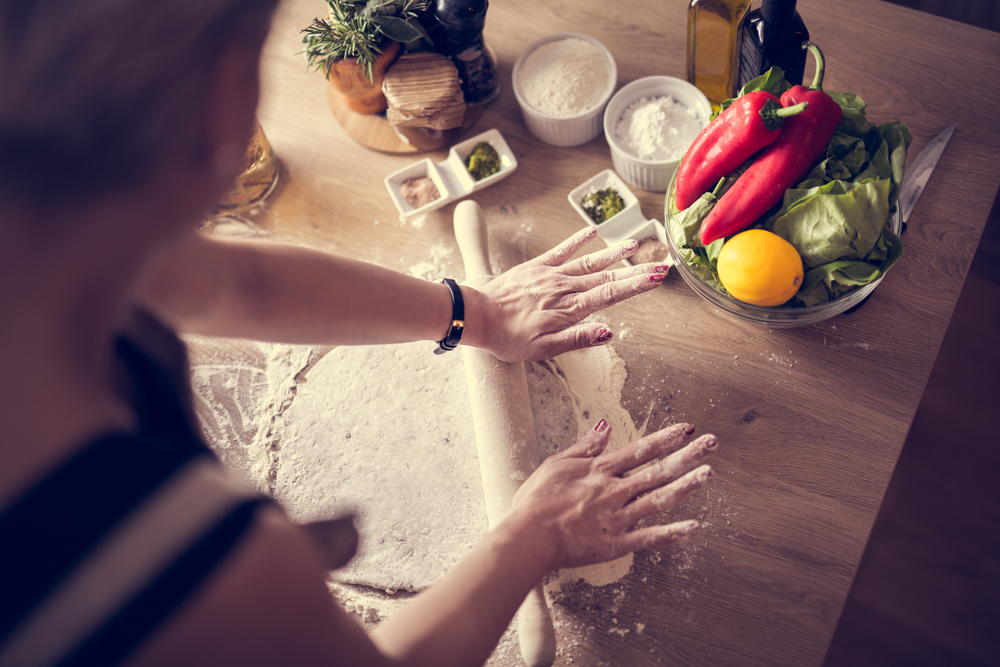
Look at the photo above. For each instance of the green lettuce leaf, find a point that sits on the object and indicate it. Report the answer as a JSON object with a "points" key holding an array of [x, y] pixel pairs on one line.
{"points": [[845, 157], [683, 227], [897, 137], [833, 280], [853, 122], [839, 220]]}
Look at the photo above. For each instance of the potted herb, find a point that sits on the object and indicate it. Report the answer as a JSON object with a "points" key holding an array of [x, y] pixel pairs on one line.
{"points": [[358, 41]]}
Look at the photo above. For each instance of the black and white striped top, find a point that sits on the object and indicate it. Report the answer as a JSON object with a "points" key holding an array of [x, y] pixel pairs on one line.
{"points": [[105, 548]]}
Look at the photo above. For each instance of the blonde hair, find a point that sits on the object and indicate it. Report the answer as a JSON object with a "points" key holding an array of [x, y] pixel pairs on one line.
{"points": [[90, 90]]}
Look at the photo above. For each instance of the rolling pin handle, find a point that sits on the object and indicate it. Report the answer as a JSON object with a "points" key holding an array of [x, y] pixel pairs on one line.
{"points": [[499, 394], [535, 631], [472, 241]]}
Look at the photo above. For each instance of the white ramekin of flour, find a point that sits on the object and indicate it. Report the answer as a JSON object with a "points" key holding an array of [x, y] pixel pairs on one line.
{"points": [[649, 124], [562, 83]]}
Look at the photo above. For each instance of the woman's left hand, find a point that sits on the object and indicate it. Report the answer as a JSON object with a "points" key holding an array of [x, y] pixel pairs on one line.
{"points": [[535, 310]]}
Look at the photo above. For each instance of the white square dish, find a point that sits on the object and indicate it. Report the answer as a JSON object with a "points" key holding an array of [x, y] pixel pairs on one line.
{"points": [[451, 177], [628, 223], [459, 153], [624, 224], [424, 167]]}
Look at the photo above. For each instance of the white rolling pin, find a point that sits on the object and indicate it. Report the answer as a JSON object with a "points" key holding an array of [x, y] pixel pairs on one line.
{"points": [[505, 433]]}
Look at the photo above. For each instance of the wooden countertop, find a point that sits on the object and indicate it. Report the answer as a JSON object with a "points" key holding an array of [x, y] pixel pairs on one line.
{"points": [[811, 420]]}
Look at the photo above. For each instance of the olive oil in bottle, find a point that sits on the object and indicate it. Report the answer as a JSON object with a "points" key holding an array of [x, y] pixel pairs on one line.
{"points": [[713, 46]]}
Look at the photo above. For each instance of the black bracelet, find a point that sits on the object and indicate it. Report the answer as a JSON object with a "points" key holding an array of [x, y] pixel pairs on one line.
{"points": [[450, 342]]}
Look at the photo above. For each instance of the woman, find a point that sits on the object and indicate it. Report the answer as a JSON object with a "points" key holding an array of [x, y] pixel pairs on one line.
{"points": [[121, 123]]}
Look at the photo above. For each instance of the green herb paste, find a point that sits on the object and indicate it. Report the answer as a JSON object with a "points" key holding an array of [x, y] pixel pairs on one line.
{"points": [[483, 161], [601, 205]]}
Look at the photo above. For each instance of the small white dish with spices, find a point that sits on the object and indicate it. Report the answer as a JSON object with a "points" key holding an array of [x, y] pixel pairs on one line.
{"points": [[628, 223], [410, 187]]}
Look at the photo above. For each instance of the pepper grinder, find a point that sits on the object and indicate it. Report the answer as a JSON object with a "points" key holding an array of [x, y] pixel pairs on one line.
{"points": [[462, 23], [772, 36]]}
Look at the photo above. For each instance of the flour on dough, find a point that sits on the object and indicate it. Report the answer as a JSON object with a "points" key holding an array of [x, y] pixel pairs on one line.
{"points": [[386, 432]]}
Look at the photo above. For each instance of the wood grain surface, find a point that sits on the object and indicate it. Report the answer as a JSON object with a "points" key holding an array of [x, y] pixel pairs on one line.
{"points": [[811, 420]]}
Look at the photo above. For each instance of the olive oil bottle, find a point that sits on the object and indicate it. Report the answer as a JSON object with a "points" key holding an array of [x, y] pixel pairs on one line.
{"points": [[713, 46]]}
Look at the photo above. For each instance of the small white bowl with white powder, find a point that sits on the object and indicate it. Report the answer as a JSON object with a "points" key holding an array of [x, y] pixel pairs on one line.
{"points": [[649, 124], [562, 83]]}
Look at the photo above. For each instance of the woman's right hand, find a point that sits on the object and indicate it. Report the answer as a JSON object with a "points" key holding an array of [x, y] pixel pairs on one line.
{"points": [[587, 503]]}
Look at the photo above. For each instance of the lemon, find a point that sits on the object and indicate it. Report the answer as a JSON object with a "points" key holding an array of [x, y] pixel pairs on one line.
{"points": [[760, 268]]}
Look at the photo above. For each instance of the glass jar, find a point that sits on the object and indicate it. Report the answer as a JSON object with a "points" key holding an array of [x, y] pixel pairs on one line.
{"points": [[256, 181]]}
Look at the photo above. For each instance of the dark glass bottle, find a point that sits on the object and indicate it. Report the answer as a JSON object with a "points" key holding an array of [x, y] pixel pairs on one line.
{"points": [[462, 23], [772, 36]]}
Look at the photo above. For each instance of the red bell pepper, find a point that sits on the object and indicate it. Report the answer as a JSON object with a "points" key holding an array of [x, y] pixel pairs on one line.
{"points": [[752, 122], [784, 163]]}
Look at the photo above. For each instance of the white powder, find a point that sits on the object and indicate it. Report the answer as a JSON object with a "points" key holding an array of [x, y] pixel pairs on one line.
{"points": [[386, 432], [320, 430], [657, 128], [565, 77]]}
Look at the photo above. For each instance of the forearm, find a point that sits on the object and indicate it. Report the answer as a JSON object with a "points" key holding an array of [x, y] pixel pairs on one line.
{"points": [[286, 293], [291, 294], [459, 620]]}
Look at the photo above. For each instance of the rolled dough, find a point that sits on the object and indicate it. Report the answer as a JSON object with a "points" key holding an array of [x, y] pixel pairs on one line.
{"points": [[386, 432]]}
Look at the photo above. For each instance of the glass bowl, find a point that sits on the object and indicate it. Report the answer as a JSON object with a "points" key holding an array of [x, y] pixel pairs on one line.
{"points": [[777, 317]]}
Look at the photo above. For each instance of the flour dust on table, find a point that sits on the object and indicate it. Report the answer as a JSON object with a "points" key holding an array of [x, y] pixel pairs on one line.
{"points": [[239, 387]]}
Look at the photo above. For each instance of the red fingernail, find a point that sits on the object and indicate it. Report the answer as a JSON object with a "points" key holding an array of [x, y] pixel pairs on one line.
{"points": [[656, 278], [662, 268], [603, 336], [601, 426]]}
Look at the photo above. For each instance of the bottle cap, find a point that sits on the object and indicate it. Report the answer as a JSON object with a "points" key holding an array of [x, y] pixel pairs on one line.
{"points": [[777, 12], [461, 14]]}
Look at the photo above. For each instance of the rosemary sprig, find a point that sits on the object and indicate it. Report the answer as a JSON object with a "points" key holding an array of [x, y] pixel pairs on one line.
{"points": [[357, 28]]}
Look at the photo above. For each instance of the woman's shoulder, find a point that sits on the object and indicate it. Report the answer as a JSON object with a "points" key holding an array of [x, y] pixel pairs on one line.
{"points": [[110, 542], [269, 605]]}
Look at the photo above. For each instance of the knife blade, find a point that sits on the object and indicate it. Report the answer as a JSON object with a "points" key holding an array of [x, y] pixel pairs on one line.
{"points": [[919, 172]]}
